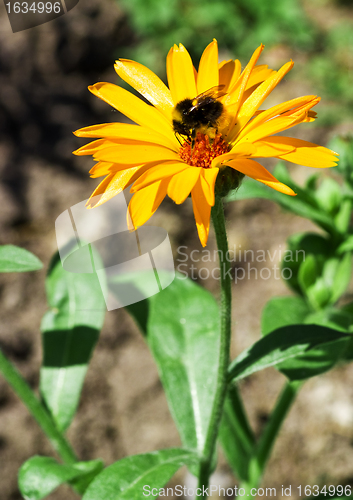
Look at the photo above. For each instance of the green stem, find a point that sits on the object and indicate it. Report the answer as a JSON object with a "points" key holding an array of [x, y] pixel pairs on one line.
{"points": [[37, 410], [244, 431], [225, 336], [264, 447], [235, 435]]}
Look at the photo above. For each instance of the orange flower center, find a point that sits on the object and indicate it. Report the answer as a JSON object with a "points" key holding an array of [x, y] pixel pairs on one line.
{"points": [[204, 150]]}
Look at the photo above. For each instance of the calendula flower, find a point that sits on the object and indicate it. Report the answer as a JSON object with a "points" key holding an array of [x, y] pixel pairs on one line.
{"points": [[179, 146]]}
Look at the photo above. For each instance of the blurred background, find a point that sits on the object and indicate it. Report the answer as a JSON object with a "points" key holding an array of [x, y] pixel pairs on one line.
{"points": [[44, 74]]}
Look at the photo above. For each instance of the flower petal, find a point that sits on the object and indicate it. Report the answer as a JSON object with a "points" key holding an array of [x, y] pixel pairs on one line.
{"points": [[273, 127], [305, 153], [207, 76], [255, 100], [208, 180], [146, 83], [229, 72], [135, 154], [236, 92], [234, 98], [112, 185], [181, 74], [92, 147], [253, 169], [259, 74], [132, 107], [279, 109], [158, 172], [101, 168], [127, 131], [202, 212], [244, 149], [145, 202], [100, 189], [182, 183], [267, 149], [101, 144]]}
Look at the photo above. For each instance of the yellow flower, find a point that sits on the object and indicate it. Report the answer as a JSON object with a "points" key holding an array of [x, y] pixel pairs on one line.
{"points": [[149, 155]]}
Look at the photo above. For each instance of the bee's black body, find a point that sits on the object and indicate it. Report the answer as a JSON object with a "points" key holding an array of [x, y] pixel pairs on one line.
{"points": [[204, 114], [199, 114]]}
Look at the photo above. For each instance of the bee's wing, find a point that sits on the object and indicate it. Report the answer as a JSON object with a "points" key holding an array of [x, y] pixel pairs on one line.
{"points": [[212, 93]]}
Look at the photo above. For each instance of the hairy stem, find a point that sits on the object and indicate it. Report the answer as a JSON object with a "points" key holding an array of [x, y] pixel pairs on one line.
{"points": [[37, 410], [225, 337]]}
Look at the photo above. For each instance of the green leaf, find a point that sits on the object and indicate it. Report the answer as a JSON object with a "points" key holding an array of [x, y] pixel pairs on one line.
{"points": [[70, 331], [344, 317], [39, 476], [183, 334], [346, 246], [348, 308], [329, 270], [301, 205], [300, 247], [344, 147], [290, 342], [311, 182], [343, 217], [283, 311], [328, 195], [338, 319], [323, 282], [143, 284], [348, 354], [342, 277], [305, 194], [17, 260], [319, 294], [317, 360], [308, 272], [134, 477], [181, 325], [235, 435]]}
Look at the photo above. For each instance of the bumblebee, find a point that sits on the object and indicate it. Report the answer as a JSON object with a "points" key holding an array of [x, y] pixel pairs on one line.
{"points": [[200, 114]]}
